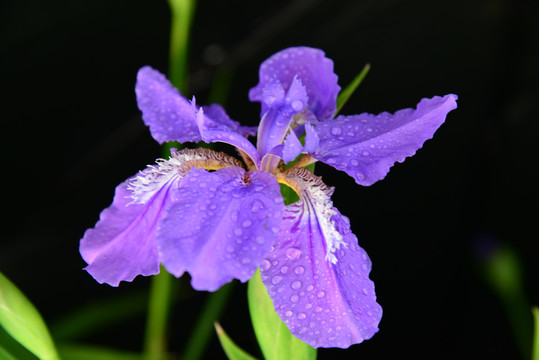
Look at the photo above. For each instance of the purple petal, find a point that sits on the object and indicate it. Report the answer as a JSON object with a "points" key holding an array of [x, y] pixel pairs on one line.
{"points": [[212, 131], [323, 304], [365, 146], [122, 244], [292, 147], [220, 226], [276, 120], [312, 141], [316, 274], [217, 114], [164, 109], [311, 67]]}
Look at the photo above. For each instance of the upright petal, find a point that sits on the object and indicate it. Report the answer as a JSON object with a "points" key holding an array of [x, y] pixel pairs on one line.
{"points": [[122, 244], [217, 114], [317, 275], [164, 109], [311, 67], [366, 146], [220, 226], [282, 106], [212, 131]]}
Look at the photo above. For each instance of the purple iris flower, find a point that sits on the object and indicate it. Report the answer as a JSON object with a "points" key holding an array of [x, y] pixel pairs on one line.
{"points": [[218, 218]]}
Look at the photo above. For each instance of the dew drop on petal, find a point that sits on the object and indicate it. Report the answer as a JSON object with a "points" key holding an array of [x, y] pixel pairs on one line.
{"points": [[299, 270], [296, 285], [354, 162], [265, 265], [336, 131], [293, 253], [294, 298], [288, 313], [246, 223], [365, 153], [360, 176], [238, 232], [259, 239], [301, 316], [321, 294], [297, 105], [284, 269], [276, 279]]}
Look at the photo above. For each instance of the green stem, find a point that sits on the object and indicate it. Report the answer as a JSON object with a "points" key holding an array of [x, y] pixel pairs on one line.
{"points": [[182, 14], [155, 343]]}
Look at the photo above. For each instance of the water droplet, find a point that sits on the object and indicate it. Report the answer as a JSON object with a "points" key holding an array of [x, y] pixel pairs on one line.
{"points": [[257, 205], [238, 232], [265, 265], [360, 176], [301, 316], [310, 288], [259, 188], [284, 269], [354, 162], [364, 267], [259, 239], [299, 270], [293, 253], [246, 223], [276, 279], [288, 313], [369, 129], [278, 199], [234, 216], [365, 291], [297, 105], [318, 309], [336, 131], [294, 298], [275, 229], [365, 153], [296, 285], [321, 294]]}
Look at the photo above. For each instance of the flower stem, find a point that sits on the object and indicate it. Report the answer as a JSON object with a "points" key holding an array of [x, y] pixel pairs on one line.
{"points": [[155, 342], [182, 14]]}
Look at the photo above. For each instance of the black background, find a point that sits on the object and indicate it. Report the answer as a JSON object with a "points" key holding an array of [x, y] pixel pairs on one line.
{"points": [[71, 132]]}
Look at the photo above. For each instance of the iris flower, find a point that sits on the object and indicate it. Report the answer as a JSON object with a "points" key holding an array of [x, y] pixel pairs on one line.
{"points": [[220, 218]]}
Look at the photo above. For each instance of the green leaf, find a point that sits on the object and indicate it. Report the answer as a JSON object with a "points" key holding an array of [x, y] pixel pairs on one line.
{"points": [[274, 338], [22, 321], [349, 90], [535, 341], [87, 352], [4, 355], [232, 351]]}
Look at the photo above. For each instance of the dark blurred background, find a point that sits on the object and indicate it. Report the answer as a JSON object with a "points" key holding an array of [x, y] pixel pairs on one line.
{"points": [[72, 132]]}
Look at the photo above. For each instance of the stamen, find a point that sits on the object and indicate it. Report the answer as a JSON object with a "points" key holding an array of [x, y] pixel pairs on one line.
{"points": [[144, 186], [317, 195]]}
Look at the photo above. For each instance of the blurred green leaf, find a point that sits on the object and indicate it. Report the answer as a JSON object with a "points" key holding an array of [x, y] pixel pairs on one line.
{"points": [[86, 352], [345, 94], [535, 341], [274, 338], [232, 351], [4, 355], [22, 321]]}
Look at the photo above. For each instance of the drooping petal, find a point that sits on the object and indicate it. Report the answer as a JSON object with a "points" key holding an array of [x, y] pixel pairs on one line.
{"points": [[220, 226], [365, 146], [281, 107], [212, 131], [122, 244], [311, 67], [326, 301], [164, 109]]}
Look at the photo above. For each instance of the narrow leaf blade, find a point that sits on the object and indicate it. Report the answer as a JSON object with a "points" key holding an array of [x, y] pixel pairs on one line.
{"points": [[232, 351], [274, 338], [22, 321], [349, 90]]}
